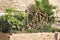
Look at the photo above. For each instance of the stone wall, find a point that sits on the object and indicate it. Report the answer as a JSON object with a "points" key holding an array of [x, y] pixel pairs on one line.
{"points": [[18, 4], [31, 36], [23, 4]]}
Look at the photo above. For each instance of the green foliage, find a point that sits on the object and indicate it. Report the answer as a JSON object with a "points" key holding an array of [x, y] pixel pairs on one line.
{"points": [[9, 10], [32, 31], [48, 28], [44, 7], [4, 25], [55, 29], [13, 20], [44, 29]]}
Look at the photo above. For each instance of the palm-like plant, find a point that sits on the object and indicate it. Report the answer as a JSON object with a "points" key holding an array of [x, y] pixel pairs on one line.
{"points": [[45, 10]]}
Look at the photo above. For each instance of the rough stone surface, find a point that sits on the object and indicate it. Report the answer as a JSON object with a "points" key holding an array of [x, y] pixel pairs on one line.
{"points": [[23, 4], [59, 36], [30, 36], [18, 4]]}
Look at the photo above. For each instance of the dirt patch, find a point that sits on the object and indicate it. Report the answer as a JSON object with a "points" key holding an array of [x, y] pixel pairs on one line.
{"points": [[4, 37]]}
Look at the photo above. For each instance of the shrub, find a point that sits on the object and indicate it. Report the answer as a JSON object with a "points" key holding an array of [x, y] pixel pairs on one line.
{"points": [[13, 20]]}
